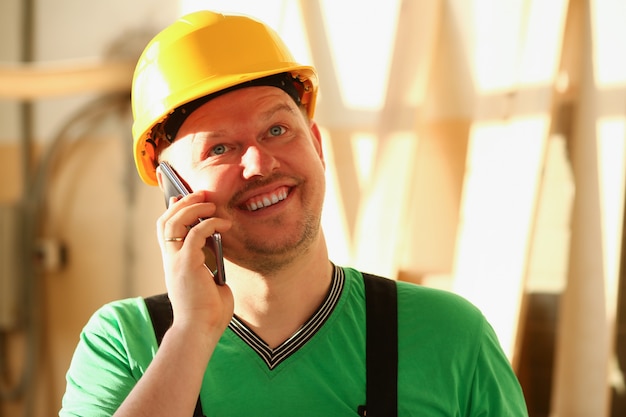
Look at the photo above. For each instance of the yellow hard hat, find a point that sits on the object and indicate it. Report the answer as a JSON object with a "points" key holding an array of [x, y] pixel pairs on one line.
{"points": [[200, 54]]}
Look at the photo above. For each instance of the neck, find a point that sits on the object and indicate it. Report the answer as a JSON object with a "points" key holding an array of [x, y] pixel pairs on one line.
{"points": [[276, 305]]}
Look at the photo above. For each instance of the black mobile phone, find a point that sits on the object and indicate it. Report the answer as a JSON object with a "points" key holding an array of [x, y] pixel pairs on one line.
{"points": [[214, 259]]}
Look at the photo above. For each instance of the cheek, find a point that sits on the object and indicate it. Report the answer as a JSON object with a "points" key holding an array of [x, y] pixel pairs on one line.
{"points": [[317, 175], [318, 158], [216, 180]]}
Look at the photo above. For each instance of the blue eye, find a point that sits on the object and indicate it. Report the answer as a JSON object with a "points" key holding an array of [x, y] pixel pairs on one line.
{"points": [[276, 130], [219, 150]]}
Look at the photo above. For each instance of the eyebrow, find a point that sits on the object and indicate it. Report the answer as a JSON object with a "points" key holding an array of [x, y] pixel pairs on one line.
{"points": [[275, 109], [265, 115]]}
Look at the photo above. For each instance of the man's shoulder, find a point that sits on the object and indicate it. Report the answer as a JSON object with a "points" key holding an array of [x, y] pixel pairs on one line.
{"points": [[122, 307], [437, 301], [421, 297], [123, 315], [425, 302]]}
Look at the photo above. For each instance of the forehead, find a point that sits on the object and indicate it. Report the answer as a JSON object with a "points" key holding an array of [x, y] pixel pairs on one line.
{"points": [[236, 110], [241, 105]]}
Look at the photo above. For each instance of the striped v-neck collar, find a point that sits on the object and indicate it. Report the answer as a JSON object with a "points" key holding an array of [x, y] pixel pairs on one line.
{"points": [[273, 357]]}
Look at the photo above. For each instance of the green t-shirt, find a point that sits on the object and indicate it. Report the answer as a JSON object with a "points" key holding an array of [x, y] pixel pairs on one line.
{"points": [[450, 362]]}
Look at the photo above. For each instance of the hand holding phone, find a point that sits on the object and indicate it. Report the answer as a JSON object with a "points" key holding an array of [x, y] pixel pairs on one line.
{"points": [[214, 260]]}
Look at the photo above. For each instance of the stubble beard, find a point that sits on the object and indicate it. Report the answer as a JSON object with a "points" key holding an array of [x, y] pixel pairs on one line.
{"points": [[267, 256]]}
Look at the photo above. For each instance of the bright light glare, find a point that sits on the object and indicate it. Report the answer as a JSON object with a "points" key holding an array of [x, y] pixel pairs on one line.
{"points": [[542, 45], [361, 36], [381, 216], [363, 149], [517, 43], [611, 136], [498, 28], [504, 160], [334, 222], [607, 19]]}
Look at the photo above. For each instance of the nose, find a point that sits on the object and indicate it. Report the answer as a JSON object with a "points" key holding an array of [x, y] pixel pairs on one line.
{"points": [[257, 162]]}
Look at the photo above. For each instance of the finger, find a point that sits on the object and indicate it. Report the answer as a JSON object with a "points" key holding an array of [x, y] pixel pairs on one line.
{"points": [[175, 222], [207, 227], [171, 234]]}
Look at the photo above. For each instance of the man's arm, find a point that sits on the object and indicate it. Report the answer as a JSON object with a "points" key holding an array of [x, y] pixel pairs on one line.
{"points": [[495, 387], [201, 310], [172, 382], [117, 361]]}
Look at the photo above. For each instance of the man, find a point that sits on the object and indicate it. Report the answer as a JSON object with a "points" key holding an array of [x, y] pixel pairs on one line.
{"points": [[222, 101]]}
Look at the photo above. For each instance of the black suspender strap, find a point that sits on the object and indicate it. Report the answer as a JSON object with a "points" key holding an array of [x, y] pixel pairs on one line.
{"points": [[381, 300], [381, 338], [161, 314]]}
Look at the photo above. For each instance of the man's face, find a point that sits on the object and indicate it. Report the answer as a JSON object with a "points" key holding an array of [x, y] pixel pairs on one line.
{"points": [[262, 161]]}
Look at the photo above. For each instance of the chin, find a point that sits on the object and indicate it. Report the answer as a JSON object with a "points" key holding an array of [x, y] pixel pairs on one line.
{"points": [[268, 255]]}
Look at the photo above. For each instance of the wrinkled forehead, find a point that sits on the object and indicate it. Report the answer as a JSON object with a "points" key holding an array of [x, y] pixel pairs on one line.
{"points": [[282, 81], [237, 111], [223, 115]]}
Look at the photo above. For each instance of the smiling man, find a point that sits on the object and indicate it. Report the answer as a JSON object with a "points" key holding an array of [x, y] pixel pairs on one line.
{"points": [[221, 100]]}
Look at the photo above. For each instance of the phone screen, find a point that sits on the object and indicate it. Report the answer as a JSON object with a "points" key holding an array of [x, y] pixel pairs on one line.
{"points": [[214, 259]]}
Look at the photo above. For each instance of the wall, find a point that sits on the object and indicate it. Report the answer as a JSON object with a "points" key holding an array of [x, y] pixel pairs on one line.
{"points": [[91, 205]]}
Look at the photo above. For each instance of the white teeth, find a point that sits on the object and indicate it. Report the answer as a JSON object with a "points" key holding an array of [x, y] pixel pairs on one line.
{"points": [[267, 200]]}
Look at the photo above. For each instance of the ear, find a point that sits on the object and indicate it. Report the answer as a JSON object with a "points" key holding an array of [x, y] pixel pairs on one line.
{"points": [[317, 140], [159, 177]]}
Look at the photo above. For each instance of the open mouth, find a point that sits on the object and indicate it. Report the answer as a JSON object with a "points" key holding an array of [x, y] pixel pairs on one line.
{"points": [[262, 201]]}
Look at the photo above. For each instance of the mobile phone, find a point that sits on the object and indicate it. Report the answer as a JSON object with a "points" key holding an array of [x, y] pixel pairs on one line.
{"points": [[214, 259]]}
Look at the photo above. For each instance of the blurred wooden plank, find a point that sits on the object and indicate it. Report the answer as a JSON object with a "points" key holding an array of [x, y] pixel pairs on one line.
{"points": [[36, 81], [586, 365]]}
